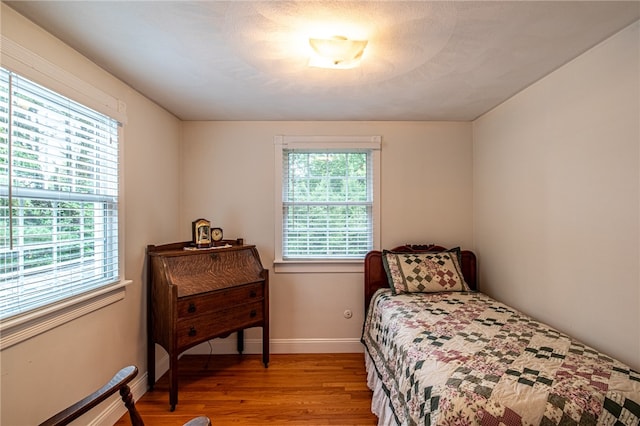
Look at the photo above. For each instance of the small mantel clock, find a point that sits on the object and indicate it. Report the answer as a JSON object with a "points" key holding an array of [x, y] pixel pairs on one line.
{"points": [[201, 232], [216, 234]]}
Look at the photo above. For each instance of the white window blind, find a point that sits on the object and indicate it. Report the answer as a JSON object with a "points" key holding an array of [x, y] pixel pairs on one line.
{"points": [[327, 204], [59, 205], [328, 190]]}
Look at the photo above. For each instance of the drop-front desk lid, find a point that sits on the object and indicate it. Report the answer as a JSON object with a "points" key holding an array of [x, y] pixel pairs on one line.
{"points": [[202, 270]]}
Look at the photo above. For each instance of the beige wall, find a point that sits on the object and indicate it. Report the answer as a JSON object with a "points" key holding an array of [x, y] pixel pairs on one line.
{"points": [[228, 174], [556, 198], [44, 374]]}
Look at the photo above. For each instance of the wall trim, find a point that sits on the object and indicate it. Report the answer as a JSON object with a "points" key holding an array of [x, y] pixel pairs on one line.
{"points": [[22, 327], [28, 64], [114, 410], [281, 346]]}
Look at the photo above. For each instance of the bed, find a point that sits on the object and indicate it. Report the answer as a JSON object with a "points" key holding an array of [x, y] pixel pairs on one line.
{"points": [[439, 352]]}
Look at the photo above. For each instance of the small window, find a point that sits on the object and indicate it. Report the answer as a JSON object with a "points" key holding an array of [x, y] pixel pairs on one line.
{"points": [[59, 197], [327, 202]]}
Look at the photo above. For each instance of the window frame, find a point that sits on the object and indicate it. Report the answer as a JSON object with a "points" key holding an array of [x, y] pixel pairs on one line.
{"points": [[338, 143], [20, 327]]}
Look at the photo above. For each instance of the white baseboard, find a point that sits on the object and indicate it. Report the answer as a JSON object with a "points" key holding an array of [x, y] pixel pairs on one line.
{"points": [[114, 408], [313, 346], [280, 346]]}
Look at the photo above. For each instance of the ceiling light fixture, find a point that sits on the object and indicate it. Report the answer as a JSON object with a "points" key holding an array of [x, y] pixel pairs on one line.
{"points": [[336, 52]]}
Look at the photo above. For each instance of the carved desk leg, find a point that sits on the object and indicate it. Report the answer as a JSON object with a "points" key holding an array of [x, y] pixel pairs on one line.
{"points": [[173, 380], [151, 364], [265, 345], [240, 341]]}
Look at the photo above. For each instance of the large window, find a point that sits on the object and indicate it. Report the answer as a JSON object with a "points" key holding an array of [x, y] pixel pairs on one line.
{"points": [[327, 206], [59, 197]]}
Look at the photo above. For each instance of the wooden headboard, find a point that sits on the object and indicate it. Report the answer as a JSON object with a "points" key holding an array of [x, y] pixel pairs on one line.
{"points": [[375, 276]]}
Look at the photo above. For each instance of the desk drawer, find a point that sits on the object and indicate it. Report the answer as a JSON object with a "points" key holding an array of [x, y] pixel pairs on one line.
{"points": [[216, 323], [201, 304]]}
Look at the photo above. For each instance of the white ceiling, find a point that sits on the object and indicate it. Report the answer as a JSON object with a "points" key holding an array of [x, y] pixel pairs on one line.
{"points": [[247, 60]]}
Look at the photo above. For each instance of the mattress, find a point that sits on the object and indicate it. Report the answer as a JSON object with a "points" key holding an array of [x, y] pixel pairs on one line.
{"points": [[464, 358]]}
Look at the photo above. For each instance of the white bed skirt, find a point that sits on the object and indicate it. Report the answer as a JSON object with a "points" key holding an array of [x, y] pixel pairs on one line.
{"points": [[380, 403]]}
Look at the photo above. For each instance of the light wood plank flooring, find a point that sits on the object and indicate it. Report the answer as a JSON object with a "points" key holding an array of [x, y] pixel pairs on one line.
{"points": [[300, 389]]}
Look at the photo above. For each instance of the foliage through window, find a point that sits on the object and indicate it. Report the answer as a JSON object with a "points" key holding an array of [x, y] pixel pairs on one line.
{"points": [[328, 199], [59, 197]]}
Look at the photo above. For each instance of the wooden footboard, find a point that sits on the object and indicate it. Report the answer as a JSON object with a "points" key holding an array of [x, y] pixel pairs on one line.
{"points": [[375, 276]]}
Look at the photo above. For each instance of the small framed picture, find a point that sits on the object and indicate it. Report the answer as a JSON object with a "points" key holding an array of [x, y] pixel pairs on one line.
{"points": [[201, 231]]}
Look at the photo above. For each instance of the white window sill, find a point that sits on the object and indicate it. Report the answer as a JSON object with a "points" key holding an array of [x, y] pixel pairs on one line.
{"points": [[22, 327], [318, 266]]}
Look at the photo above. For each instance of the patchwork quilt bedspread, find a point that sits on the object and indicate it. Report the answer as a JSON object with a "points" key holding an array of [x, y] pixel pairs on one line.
{"points": [[463, 358]]}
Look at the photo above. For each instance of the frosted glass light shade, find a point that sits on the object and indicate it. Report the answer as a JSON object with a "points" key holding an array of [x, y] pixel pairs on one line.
{"points": [[336, 52]]}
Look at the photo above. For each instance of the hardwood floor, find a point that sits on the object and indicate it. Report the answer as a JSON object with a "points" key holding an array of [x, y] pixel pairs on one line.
{"points": [[300, 389]]}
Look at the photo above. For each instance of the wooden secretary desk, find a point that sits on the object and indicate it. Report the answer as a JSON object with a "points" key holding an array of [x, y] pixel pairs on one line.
{"points": [[195, 295]]}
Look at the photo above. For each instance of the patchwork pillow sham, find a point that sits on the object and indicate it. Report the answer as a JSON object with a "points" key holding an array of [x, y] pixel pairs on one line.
{"points": [[424, 272]]}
